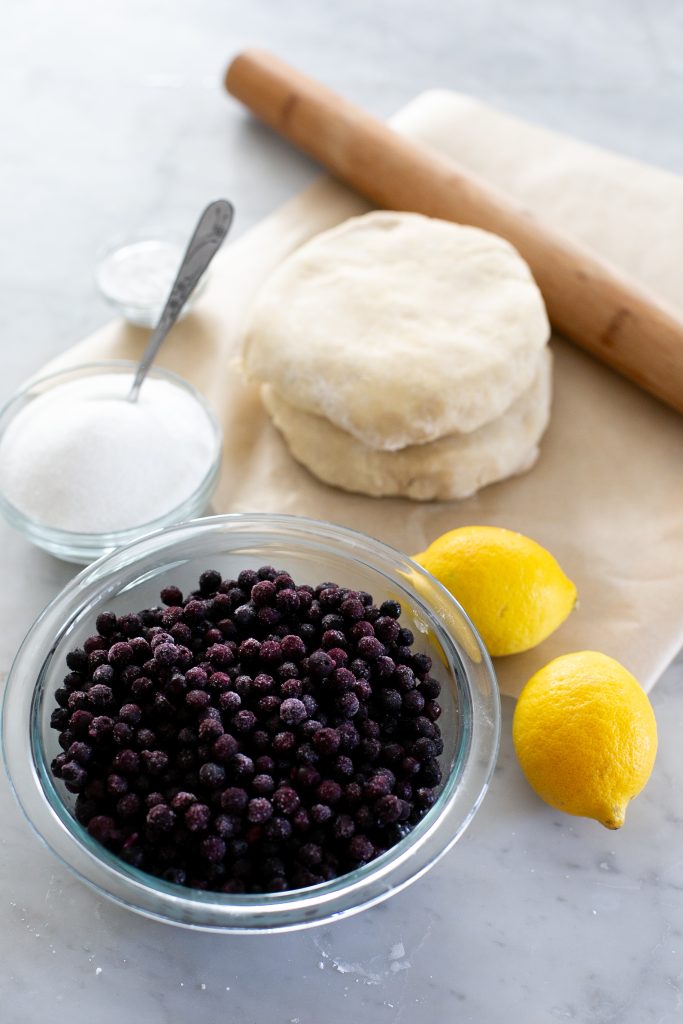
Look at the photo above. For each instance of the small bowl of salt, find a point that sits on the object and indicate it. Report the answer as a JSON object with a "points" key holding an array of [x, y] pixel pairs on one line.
{"points": [[135, 275], [84, 471]]}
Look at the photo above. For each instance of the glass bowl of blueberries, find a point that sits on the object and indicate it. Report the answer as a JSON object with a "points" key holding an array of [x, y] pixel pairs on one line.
{"points": [[251, 723]]}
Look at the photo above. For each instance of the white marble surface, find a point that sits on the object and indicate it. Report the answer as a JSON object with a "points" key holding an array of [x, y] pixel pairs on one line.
{"points": [[113, 119]]}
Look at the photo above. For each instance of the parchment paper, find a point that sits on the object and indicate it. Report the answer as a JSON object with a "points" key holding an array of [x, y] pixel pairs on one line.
{"points": [[606, 497]]}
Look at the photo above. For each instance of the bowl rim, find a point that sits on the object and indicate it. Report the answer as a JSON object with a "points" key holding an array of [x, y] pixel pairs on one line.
{"points": [[53, 822], [93, 544]]}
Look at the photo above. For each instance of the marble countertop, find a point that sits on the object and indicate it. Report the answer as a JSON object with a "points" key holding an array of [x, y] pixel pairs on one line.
{"points": [[117, 121]]}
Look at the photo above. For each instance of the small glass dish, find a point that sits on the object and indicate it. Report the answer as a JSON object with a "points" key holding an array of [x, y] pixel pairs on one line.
{"points": [[311, 551], [135, 274], [83, 548]]}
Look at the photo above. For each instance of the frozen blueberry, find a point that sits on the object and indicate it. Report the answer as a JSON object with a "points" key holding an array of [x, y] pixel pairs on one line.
{"points": [[331, 753], [209, 581], [120, 654], [320, 664], [241, 766], [293, 711], [171, 595], [259, 810], [197, 817], [234, 799], [106, 624], [263, 593]]}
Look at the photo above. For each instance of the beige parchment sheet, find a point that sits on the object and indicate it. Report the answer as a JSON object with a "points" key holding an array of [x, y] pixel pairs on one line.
{"points": [[606, 496]]}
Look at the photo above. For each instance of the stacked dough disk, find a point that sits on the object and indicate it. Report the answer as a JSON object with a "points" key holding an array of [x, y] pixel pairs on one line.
{"points": [[403, 355]]}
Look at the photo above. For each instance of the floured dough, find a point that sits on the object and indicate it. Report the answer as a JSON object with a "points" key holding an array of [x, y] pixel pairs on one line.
{"points": [[452, 467], [399, 328]]}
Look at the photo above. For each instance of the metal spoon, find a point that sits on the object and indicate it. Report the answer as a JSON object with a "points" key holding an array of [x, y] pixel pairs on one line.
{"points": [[212, 227]]}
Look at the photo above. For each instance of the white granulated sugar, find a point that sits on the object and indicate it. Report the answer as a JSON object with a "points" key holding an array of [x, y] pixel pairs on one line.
{"points": [[82, 458]]}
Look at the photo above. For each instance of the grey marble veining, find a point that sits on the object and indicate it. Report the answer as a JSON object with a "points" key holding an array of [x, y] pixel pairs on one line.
{"points": [[112, 119]]}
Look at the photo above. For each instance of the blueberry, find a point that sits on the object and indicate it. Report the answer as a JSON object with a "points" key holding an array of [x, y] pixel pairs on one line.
{"points": [[293, 647], [271, 652], [267, 572], [93, 643], [278, 829], [343, 680], [310, 854], [227, 826], [210, 729], [59, 718], [287, 601], [196, 700], [320, 664], [212, 775], [106, 624], [128, 806], [154, 761], [370, 648], [127, 762], [391, 701], [75, 775], [182, 800], [389, 809], [347, 705], [102, 828], [259, 810], [196, 677], [326, 741], [171, 595], [262, 683], [320, 813], [120, 654], [291, 688], [130, 624], [263, 593], [241, 766], [247, 579], [170, 616], [234, 799], [197, 817], [77, 660], [220, 656], [305, 793], [413, 702], [166, 654], [117, 785], [229, 702], [390, 608], [209, 581], [343, 826], [293, 711], [430, 688], [329, 792], [244, 721]]}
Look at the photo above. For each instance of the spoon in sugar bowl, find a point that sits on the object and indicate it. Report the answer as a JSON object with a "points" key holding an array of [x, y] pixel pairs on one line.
{"points": [[207, 238]]}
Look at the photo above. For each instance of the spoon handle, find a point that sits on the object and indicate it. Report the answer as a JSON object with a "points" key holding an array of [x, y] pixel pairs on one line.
{"points": [[212, 227]]}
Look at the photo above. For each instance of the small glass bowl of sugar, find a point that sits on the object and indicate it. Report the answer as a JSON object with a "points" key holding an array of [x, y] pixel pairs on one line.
{"points": [[135, 276], [84, 471]]}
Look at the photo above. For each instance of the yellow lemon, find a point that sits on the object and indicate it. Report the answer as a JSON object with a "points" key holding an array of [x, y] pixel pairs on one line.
{"points": [[513, 589], [586, 736]]}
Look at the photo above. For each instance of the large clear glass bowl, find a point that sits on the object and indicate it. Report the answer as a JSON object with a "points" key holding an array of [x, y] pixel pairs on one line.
{"points": [[83, 548], [130, 579]]}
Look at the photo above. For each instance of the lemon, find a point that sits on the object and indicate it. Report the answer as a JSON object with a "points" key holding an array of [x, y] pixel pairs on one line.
{"points": [[586, 736], [513, 589]]}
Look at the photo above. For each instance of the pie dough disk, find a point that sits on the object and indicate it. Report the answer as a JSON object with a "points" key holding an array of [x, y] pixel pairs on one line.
{"points": [[399, 328], [453, 467]]}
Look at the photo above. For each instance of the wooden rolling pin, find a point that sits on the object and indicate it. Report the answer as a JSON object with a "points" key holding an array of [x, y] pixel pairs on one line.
{"points": [[588, 300]]}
